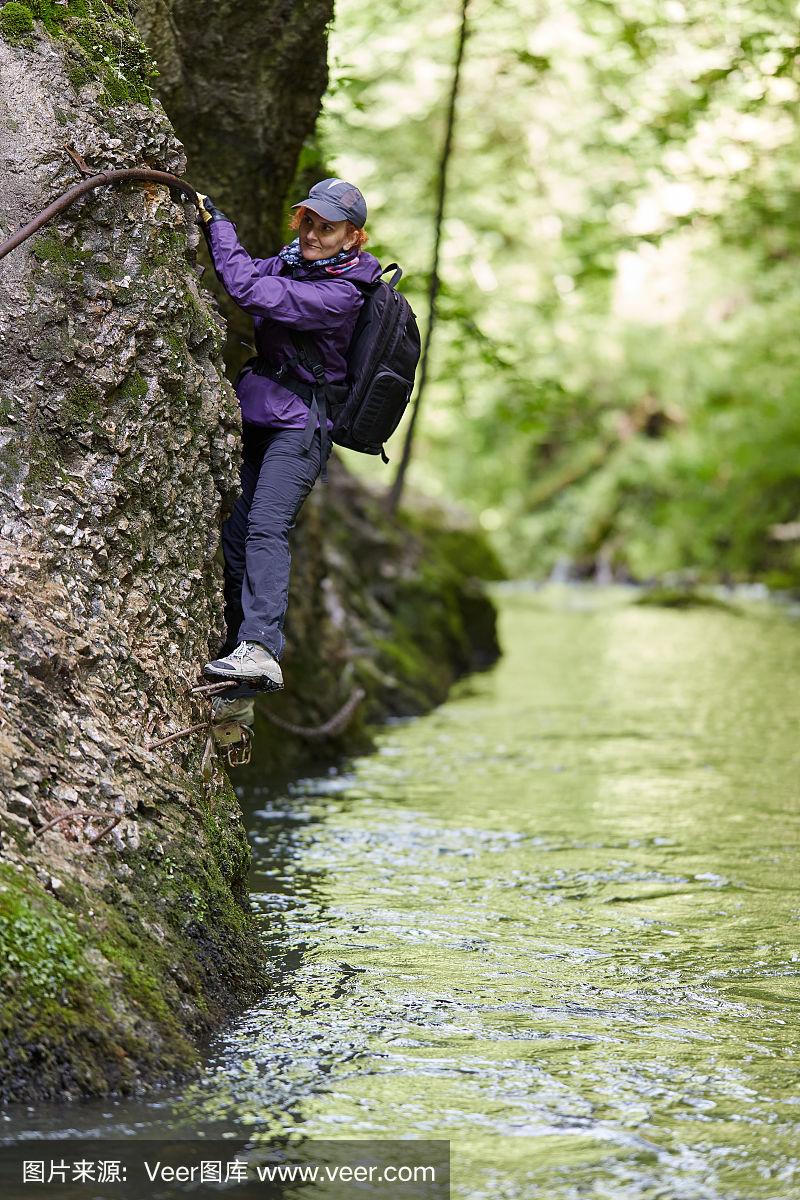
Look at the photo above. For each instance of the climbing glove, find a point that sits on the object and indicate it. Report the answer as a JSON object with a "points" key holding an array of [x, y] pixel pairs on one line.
{"points": [[209, 211]]}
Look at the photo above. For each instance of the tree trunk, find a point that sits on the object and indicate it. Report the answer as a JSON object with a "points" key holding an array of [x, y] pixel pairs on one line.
{"points": [[396, 489]]}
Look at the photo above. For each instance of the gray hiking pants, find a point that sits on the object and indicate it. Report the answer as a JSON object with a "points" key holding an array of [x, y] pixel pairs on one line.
{"points": [[276, 476]]}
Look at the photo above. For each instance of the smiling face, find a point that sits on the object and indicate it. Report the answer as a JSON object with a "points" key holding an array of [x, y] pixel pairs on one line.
{"points": [[323, 239]]}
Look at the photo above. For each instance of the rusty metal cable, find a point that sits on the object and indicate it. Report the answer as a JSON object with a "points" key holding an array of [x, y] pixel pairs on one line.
{"points": [[87, 184], [181, 733], [331, 727], [84, 814]]}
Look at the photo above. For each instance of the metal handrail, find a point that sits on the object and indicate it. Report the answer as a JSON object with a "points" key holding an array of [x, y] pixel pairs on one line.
{"points": [[140, 174]]}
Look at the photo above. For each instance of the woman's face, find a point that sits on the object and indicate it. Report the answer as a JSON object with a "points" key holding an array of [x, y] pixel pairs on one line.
{"points": [[320, 238]]}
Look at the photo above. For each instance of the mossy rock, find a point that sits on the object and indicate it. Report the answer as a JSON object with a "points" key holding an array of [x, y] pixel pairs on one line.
{"points": [[16, 22], [106, 991], [83, 404], [465, 549], [133, 389], [40, 947], [782, 580], [102, 43], [44, 462], [683, 598]]}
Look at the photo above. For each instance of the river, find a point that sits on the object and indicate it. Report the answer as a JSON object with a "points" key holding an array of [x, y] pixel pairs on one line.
{"points": [[554, 921]]}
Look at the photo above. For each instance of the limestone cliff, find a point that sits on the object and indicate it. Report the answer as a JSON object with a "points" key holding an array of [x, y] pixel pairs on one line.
{"points": [[241, 81], [120, 948], [117, 436]]}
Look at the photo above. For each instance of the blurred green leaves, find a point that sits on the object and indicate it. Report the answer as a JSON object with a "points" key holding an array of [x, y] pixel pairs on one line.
{"points": [[616, 372]]}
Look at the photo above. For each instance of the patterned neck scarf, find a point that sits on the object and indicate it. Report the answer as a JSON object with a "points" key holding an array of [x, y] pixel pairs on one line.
{"points": [[344, 261]]}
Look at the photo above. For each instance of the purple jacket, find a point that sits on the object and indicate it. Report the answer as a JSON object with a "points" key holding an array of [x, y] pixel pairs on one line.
{"points": [[281, 298]]}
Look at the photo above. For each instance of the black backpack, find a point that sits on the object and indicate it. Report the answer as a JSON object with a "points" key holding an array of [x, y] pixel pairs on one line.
{"points": [[381, 361]]}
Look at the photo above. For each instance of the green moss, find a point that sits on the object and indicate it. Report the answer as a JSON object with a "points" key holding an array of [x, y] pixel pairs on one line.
{"points": [[11, 466], [418, 679], [83, 404], [101, 42], [49, 445], [465, 549], [16, 22], [101, 993], [79, 68], [200, 324], [61, 1026], [53, 15], [63, 262], [175, 344], [787, 580], [45, 11], [171, 246], [441, 621], [41, 949], [133, 388], [232, 853], [44, 463], [114, 51], [142, 974]]}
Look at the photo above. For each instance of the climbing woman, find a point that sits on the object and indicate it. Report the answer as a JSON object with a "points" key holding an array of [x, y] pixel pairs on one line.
{"points": [[308, 288]]}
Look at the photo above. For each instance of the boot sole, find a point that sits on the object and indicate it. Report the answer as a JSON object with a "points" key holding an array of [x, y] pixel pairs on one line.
{"points": [[246, 683], [249, 690]]}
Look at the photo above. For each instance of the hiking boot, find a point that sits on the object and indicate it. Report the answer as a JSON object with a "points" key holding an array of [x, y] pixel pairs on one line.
{"points": [[249, 661], [241, 709]]}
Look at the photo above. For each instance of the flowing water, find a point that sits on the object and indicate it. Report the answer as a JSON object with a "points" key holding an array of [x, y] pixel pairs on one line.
{"points": [[555, 921]]}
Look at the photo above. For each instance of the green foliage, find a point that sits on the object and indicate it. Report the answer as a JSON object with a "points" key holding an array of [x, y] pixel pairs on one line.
{"points": [[614, 376], [16, 22]]}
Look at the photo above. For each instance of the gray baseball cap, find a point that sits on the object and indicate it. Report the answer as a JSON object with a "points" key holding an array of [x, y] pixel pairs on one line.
{"points": [[336, 200]]}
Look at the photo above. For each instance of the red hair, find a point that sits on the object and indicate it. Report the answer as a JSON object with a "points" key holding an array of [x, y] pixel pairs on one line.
{"points": [[357, 236]]}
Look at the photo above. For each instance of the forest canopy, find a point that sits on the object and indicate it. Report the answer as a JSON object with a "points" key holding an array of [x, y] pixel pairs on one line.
{"points": [[615, 371]]}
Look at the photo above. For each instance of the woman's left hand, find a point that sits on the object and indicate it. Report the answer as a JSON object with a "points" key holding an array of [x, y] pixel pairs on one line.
{"points": [[208, 210]]}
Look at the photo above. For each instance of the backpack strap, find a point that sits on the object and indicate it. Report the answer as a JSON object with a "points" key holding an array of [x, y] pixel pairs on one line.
{"points": [[314, 395], [366, 287], [308, 356], [396, 277]]}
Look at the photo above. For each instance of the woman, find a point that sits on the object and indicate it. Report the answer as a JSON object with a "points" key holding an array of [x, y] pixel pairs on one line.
{"points": [[309, 287]]}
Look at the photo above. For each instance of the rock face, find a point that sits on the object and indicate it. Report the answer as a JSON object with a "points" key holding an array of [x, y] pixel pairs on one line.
{"points": [[117, 437], [122, 947], [241, 81]]}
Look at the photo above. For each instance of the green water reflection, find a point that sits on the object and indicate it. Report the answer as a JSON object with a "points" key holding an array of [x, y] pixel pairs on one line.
{"points": [[554, 921]]}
